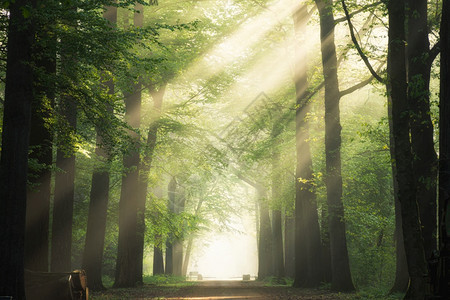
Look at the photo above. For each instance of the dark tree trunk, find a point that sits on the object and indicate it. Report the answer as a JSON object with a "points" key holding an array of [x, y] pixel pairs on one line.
{"points": [[140, 229], [14, 156], [158, 261], [144, 170], [397, 90], [265, 267], [340, 278], [307, 238], [278, 254], [277, 229], [171, 188], [41, 143], [401, 269], [99, 198], [158, 257], [325, 249], [289, 249], [130, 252], [127, 265], [444, 155], [61, 244], [169, 258], [425, 160], [180, 202]]}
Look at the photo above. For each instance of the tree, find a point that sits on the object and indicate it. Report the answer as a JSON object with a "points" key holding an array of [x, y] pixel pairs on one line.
{"points": [[15, 142], [277, 234], [341, 277], [41, 154], [61, 243], [397, 90], [128, 272], [419, 59], [99, 197], [144, 170], [265, 256], [308, 262], [171, 189], [444, 156]]}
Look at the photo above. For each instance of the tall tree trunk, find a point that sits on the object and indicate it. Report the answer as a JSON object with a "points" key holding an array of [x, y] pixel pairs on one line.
{"points": [[14, 156], [277, 229], [158, 261], [180, 202], [41, 144], [144, 170], [289, 249], [401, 267], [141, 195], [326, 249], [308, 245], [425, 160], [191, 240], [397, 90], [158, 257], [62, 218], [187, 256], [265, 267], [444, 155], [341, 278], [128, 265], [171, 188], [61, 244], [99, 198], [278, 254]]}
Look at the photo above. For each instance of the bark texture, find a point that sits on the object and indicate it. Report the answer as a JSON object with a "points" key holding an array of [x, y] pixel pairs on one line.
{"points": [[307, 239], [444, 155], [144, 169], [41, 144], [61, 244], [265, 267], [340, 278], [127, 265], [14, 155], [99, 198], [425, 159], [397, 90]]}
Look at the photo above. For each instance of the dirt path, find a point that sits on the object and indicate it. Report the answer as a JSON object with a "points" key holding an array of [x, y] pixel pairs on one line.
{"points": [[249, 290], [219, 290]]}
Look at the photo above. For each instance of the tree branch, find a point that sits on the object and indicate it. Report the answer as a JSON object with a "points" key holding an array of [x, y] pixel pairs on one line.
{"points": [[434, 51], [355, 42], [359, 85], [342, 19]]}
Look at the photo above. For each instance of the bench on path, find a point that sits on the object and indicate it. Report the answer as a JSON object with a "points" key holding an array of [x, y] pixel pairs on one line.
{"points": [[56, 286]]}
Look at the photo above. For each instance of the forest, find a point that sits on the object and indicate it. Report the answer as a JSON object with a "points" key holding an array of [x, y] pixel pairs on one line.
{"points": [[315, 135]]}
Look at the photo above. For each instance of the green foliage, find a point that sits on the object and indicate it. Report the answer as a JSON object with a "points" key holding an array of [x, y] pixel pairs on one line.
{"points": [[167, 280]]}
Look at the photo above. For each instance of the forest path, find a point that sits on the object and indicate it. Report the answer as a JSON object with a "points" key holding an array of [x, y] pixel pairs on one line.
{"points": [[220, 290], [248, 290]]}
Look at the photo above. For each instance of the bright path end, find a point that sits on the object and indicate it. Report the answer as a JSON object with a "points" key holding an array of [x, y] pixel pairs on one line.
{"points": [[219, 290]]}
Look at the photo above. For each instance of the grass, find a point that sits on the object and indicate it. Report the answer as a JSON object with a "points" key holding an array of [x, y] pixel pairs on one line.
{"points": [[153, 288]]}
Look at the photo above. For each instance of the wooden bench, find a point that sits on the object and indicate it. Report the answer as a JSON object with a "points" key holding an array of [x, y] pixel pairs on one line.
{"points": [[56, 286]]}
